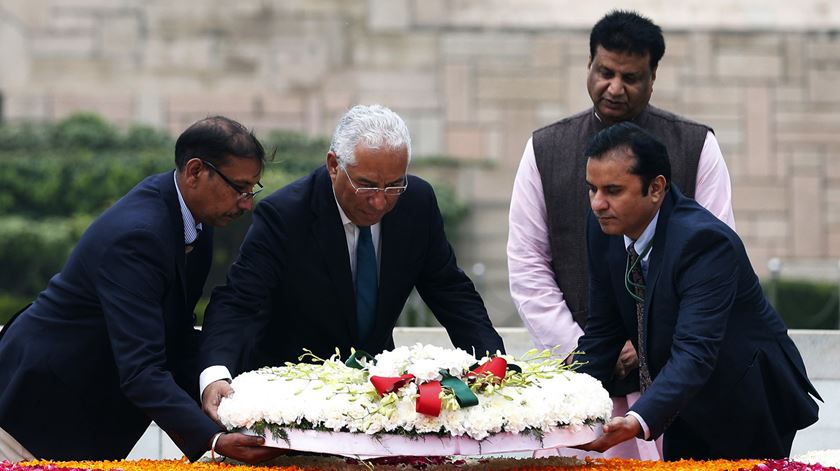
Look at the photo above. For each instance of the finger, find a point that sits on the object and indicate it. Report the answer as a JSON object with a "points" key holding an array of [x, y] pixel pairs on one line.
{"points": [[585, 446], [240, 439]]}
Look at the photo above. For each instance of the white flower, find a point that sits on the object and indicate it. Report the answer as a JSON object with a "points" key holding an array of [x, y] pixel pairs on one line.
{"points": [[824, 457], [337, 397]]}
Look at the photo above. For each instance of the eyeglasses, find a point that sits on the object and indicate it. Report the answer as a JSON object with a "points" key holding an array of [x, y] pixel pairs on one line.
{"points": [[370, 191], [243, 195]]}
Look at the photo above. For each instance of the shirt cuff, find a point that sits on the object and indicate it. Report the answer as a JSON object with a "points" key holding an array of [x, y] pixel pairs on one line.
{"points": [[645, 429], [211, 374]]}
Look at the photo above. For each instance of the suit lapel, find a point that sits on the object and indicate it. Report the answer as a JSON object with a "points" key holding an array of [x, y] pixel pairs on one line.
{"points": [[658, 250], [176, 222], [329, 235], [392, 243]]}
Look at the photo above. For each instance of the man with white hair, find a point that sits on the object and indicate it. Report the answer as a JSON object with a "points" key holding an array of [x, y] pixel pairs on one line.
{"points": [[330, 260]]}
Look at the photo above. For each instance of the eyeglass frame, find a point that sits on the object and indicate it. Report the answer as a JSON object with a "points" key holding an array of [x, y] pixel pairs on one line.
{"points": [[243, 195], [369, 191]]}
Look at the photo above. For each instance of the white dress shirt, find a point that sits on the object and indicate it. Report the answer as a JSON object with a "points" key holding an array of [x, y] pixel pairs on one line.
{"points": [[191, 229]]}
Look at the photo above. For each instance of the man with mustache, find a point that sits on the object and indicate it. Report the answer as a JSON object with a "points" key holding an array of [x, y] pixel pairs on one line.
{"points": [[109, 345], [330, 260], [546, 242]]}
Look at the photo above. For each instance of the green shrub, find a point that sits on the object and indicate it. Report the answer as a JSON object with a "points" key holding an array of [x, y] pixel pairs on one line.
{"points": [[140, 137], [31, 252], [78, 132], [9, 305], [805, 304], [86, 131], [83, 183], [25, 137], [296, 153]]}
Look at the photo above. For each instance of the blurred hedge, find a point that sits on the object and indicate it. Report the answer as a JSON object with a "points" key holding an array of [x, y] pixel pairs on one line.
{"points": [[33, 251], [805, 304], [56, 177]]}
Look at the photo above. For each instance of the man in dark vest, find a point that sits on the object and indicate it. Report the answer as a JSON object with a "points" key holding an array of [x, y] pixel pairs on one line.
{"points": [[547, 242]]}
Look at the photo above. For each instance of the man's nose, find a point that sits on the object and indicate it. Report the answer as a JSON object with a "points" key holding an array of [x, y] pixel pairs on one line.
{"points": [[616, 87], [245, 204], [377, 200], [597, 202]]}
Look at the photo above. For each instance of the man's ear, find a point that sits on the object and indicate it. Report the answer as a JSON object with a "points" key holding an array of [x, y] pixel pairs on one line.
{"points": [[657, 188], [192, 171], [332, 163]]}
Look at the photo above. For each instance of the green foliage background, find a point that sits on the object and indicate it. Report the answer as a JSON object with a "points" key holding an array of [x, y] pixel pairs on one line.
{"points": [[55, 178]]}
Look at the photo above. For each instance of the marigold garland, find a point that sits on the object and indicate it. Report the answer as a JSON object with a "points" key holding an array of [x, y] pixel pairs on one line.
{"points": [[542, 464]]}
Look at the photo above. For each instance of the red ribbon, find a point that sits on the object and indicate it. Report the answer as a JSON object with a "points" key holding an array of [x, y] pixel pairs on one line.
{"points": [[384, 384], [429, 401], [496, 366]]}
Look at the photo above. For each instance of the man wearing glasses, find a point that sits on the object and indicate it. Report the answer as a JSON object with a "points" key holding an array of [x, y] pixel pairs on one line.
{"points": [[109, 345], [330, 260]]}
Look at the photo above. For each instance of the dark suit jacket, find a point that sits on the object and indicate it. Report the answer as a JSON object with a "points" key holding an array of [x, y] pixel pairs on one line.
{"points": [[291, 287], [719, 355], [110, 344]]}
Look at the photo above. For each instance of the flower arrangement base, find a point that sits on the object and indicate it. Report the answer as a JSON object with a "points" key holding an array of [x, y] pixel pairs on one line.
{"points": [[359, 445], [419, 401]]}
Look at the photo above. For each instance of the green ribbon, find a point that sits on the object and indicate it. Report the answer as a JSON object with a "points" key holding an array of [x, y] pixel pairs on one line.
{"points": [[463, 393], [353, 361]]}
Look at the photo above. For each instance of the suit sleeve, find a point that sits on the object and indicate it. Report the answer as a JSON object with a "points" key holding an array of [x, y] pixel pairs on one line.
{"points": [[234, 315], [604, 334], [706, 284], [451, 295], [131, 283]]}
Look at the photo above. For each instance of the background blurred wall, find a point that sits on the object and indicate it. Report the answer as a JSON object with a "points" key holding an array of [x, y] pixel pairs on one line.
{"points": [[472, 79]]}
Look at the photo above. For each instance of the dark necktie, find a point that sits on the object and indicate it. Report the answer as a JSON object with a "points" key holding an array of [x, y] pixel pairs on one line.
{"points": [[638, 286], [367, 283], [189, 247]]}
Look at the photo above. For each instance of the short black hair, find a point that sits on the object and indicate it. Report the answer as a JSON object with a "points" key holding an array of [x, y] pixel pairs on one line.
{"points": [[217, 139], [651, 155], [628, 32]]}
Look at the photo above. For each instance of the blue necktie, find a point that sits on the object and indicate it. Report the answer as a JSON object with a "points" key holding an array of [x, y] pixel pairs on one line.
{"points": [[367, 283]]}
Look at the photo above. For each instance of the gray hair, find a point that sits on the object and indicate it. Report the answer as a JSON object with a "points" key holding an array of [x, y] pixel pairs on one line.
{"points": [[375, 126]]}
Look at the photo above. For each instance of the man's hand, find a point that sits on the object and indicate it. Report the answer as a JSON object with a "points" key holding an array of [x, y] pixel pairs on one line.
{"points": [[212, 397], [245, 448], [627, 360], [616, 431]]}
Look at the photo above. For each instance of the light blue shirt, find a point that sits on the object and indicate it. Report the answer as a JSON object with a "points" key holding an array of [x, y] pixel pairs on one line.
{"points": [[191, 229], [643, 241], [641, 245]]}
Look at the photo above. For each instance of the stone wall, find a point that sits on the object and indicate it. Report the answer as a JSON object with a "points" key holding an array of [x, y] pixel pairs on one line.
{"points": [[472, 79]]}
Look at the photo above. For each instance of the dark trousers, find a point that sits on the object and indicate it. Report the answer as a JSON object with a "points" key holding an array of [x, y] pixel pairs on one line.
{"points": [[681, 441]]}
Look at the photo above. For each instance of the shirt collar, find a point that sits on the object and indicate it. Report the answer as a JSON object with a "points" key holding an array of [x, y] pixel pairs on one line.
{"points": [[645, 239], [344, 219], [191, 229]]}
